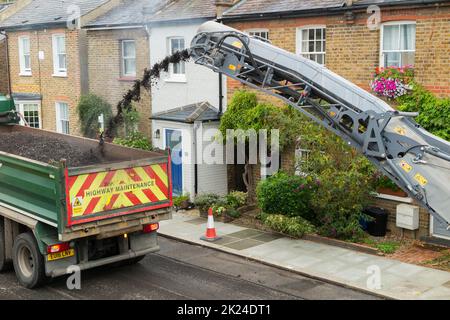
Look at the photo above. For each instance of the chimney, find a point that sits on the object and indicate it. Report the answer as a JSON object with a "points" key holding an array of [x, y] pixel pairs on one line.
{"points": [[222, 5]]}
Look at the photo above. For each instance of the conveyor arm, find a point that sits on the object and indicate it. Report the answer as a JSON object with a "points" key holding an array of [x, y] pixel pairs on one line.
{"points": [[417, 161]]}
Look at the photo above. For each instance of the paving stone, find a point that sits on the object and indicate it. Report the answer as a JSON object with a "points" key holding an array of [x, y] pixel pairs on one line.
{"points": [[329, 266], [225, 240], [267, 237], [404, 269], [197, 221], [438, 293], [352, 274], [243, 244], [247, 233], [303, 261]]}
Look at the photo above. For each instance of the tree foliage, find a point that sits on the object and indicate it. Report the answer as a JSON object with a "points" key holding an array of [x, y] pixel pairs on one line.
{"points": [[245, 112], [90, 107], [434, 112]]}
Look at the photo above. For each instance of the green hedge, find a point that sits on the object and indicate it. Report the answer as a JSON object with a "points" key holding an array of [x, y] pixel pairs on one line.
{"points": [[434, 112], [287, 195]]}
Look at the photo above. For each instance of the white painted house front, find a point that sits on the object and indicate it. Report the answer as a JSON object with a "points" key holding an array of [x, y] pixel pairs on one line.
{"points": [[187, 88]]}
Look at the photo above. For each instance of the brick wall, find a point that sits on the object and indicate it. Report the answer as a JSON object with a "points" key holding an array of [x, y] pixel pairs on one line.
{"points": [[52, 88], [3, 68], [104, 68], [391, 207], [352, 50]]}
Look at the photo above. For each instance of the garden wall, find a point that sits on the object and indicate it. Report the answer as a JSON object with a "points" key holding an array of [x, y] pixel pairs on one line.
{"points": [[391, 207]]}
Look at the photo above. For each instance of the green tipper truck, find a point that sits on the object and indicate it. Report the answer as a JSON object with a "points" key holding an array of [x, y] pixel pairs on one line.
{"points": [[68, 201]]}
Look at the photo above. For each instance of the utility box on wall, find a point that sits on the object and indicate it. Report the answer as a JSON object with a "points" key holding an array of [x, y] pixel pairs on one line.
{"points": [[407, 216]]}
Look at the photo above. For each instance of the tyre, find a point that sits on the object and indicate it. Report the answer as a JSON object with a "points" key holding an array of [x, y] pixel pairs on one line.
{"points": [[4, 264], [28, 261]]}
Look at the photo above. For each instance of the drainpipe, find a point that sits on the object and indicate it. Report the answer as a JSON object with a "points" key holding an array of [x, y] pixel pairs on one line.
{"points": [[220, 94], [8, 70], [195, 127]]}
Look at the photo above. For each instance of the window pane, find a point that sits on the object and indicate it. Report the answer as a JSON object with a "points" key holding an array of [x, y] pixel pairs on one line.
{"points": [[407, 36], [129, 49], [62, 61], [26, 45], [311, 34], [318, 34], [304, 46], [318, 46], [27, 62], [177, 45], [407, 58], [320, 59], [130, 66], [64, 117], [304, 34], [392, 59], [61, 44], [390, 37], [311, 46]]}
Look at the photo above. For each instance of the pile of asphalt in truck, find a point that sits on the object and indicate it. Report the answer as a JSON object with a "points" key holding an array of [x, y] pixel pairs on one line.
{"points": [[48, 149]]}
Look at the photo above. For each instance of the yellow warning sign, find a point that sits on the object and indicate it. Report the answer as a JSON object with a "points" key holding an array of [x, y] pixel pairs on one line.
{"points": [[77, 205], [405, 166], [400, 130], [237, 44], [421, 179]]}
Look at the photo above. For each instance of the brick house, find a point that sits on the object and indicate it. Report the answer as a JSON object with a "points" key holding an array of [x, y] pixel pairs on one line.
{"points": [[336, 33], [47, 59], [118, 52]]}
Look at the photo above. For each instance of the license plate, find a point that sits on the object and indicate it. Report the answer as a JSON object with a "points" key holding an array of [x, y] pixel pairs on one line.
{"points": [[60, 255]]}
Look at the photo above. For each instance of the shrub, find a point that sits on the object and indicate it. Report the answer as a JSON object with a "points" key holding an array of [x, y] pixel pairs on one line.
{"points": [[293, 226], [208, 200], [339, 202], [287, 195], [89, 108], [434, 112], [236, 199], [346, 181], [177, 201], [135, 140]]}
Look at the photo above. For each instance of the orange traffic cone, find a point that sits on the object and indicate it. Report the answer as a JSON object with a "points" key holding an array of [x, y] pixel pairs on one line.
{"points": [[210, 229]]}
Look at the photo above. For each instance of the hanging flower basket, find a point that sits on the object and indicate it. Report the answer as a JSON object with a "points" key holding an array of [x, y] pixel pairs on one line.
{"points": [[392, 82]]}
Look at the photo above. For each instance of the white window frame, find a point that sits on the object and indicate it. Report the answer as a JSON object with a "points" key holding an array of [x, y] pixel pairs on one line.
{"points": [[57, 71], [123, 57], [390, 23], [299, 41], [23, 70], [20, 108], [175, 77], [59, 119], [253, 32]]}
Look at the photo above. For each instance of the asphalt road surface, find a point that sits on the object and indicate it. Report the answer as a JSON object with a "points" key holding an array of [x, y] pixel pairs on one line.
{"points": [[184, 271]]}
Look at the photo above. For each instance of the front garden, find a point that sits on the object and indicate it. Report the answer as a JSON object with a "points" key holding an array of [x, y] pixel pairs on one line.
{"points": [[336, 184]]}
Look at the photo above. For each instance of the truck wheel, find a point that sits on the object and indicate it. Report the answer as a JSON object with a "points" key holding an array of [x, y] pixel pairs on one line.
{"points": [[28, 261], [4, 264]]}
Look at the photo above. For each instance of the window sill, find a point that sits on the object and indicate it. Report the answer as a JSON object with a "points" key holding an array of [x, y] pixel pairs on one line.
{"points": [[176, 79], [25, 74], [127, 78], [59, 75]]}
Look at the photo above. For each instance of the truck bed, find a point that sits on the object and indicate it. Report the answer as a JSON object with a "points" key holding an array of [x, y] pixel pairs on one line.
{"points": [[77, 185]]}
